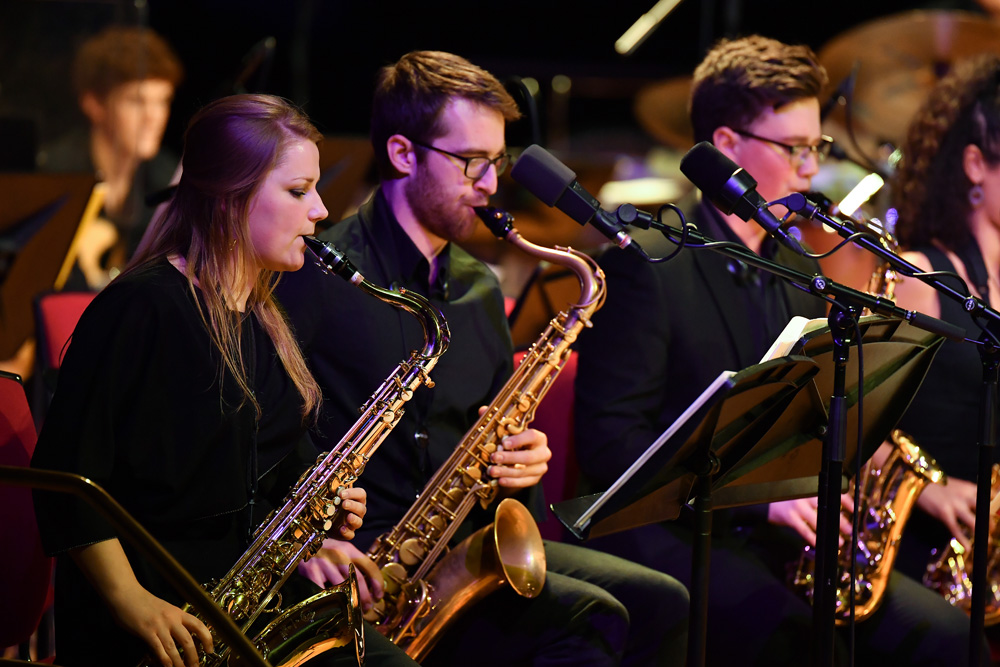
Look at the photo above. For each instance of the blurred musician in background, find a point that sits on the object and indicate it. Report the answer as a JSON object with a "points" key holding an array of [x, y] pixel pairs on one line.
{"points": [[124, 79], [668, 330]]}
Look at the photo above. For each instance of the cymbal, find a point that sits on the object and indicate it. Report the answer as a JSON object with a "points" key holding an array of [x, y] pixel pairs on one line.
{"points": [[900, 59], [662, 110]]}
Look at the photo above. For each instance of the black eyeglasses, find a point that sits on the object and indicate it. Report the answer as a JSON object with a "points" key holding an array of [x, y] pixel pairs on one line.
{"points": [[475, 167], [797, 153]]}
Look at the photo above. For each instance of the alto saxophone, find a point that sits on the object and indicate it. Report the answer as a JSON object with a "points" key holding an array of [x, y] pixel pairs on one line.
{"points": [[426, 587], [295, 531], [887, 495]]}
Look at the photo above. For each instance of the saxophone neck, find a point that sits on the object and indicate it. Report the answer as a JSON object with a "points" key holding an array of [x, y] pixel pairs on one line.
{"points": [[592, 287], [432, 321]]}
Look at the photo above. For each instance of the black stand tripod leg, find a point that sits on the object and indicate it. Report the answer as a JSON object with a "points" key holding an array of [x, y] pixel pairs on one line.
{"points": [[987, 444], [828, 501], [701, 565]]}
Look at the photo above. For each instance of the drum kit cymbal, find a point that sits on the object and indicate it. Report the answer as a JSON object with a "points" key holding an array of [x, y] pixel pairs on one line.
{"points": [[897, 60]]}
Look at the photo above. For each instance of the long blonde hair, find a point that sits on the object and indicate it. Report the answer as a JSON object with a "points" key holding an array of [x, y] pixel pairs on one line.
{"points": [[230, 147]]}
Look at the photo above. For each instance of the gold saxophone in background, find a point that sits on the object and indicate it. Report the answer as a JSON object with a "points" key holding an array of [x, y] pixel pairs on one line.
{"points": [[887, 496], [949, 571], [295, 531], [426, 586]]}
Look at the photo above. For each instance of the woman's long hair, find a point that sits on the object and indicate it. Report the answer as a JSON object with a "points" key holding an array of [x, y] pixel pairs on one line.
{"points": [[931, 188], [230, 147]]}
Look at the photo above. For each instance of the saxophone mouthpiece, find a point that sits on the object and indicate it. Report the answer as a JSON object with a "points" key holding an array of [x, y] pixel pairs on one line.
{"points": [[499, 221], [333, 260]]}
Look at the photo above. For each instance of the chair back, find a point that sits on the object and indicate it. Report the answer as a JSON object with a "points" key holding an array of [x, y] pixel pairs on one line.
{"points": [[25, 570], [56, 315], [554, 418]]}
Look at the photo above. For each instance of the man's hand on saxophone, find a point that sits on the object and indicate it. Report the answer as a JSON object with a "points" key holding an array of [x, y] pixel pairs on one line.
{"points": [[800, 514], [522, 458], [329, 567], [953, 503]]}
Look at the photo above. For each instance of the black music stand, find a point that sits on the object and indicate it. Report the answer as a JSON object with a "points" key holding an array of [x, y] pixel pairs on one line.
{"points": [[39, 224], [757, 436]]}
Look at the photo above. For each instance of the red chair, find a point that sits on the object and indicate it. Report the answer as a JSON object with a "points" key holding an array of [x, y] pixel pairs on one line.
{"points": [[25, 570], [56, 315], [554, 417]]}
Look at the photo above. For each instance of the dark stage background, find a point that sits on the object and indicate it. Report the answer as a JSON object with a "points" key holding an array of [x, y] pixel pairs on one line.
{"points": [[326, 52]]}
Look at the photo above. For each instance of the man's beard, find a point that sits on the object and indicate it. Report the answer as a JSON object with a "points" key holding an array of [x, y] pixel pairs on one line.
{"points": [[450, 220]]}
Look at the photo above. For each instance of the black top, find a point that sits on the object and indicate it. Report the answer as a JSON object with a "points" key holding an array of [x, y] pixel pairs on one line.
{"points": [[140, 409], [665, 333], [354, 341], [943, 417]]}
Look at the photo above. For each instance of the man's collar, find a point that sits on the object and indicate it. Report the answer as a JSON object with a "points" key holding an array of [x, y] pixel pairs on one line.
{"points": [[414, 269]]}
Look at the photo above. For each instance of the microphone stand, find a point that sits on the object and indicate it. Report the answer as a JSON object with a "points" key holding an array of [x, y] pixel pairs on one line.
{"points": [[990, 358], [848, 303]]}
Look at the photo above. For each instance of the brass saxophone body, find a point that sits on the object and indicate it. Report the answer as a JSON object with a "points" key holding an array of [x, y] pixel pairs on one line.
{"points": [[426, 586], [949, 571], [295, 531], [887, 495]]}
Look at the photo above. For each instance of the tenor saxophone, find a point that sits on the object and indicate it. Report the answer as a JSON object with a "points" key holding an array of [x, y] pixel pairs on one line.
{"points": [[295, 531], [426, 586], [887, 495]]}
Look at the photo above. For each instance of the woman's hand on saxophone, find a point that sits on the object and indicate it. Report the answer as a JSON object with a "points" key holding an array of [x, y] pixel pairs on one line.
{"points": [[953, 504], [330, 565], [353, 506], [800, 515], [166, 629]]}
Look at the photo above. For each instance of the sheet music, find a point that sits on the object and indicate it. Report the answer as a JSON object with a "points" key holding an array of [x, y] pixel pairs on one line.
{"points": [[797, 327]]}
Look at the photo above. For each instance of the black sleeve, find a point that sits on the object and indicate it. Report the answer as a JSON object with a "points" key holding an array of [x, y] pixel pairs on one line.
{"points": [[622, 372], [138, 410]]}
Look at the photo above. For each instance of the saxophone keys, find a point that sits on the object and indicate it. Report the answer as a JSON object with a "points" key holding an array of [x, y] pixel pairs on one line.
{"points": [[394, 575], [376, 613], [411, 551], [472, 474]]}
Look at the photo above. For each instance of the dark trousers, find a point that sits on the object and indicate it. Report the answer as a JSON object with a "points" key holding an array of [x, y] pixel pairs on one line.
{"points": [[595, 609], [754, 618]]}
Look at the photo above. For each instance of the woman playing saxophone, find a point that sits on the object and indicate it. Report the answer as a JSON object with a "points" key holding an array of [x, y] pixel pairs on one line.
{"points": [[183, 392], [948, 195]]}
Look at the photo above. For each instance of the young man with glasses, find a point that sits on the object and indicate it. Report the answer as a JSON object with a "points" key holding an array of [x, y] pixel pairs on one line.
{"points": [[438, 132], [687, 320]]}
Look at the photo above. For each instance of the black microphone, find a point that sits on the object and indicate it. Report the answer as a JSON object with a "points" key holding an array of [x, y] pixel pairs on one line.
{"points": [[555, 184], [732, 189]]}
